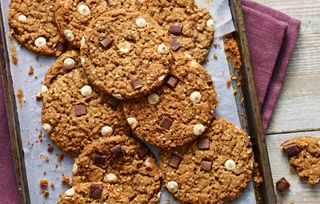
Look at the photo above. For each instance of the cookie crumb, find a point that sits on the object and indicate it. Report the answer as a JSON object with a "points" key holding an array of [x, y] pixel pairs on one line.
{"points": [[50, 148], [60, 156], [232, 51], [52, 185], [43, 183], [215, 56], [65, 180], [14, 57], [229, 83], [40, 136], [31, 71], [45, 193], [20, 96]]}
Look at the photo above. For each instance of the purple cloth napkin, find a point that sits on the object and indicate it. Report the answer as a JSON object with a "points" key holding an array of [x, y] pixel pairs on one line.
{"points": [[8, 184], [272, 36]]}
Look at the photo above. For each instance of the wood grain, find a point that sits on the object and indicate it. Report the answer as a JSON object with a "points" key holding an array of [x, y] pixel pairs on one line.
{"points": [[300, 191], [298, 108]]}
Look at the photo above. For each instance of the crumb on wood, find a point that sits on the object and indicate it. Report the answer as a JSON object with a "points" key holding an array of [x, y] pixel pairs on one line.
{"points": [[43, 183], [50, 148], [14, 57], [20, 96], [242, 101], [31, 71], [229, 83], [257, 178], [235, 92], [215, 56], [52, 185], [65, 180], [45, 193], [60, 156]]}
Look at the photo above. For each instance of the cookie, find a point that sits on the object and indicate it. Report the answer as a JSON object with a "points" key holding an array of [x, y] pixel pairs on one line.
{"points": [[304, 157], [215, 168], [124, 55], [32, 23], [74, 16], [73, 112], [127, 167], [179, 111], [190, 28]]}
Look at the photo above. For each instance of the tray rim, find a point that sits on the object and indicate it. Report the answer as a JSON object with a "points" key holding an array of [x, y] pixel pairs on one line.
{"points": [[250, 118]]}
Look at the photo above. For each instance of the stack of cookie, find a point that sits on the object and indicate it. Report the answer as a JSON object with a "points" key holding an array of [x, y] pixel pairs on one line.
{"points": [[133, 67]]}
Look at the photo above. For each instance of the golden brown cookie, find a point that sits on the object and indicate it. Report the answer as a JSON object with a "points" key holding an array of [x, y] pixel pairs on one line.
{"points": [[127, 167], [215, 168], [74, 113], [179, 111], [32, 23], [304, 157], [124, 55]]}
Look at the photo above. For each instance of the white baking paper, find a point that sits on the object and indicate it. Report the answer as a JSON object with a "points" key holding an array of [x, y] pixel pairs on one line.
{"points": [[30, 112]]}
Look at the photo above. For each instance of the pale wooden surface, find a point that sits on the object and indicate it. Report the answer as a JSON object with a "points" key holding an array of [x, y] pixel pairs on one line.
{"points": [[298, 110]]}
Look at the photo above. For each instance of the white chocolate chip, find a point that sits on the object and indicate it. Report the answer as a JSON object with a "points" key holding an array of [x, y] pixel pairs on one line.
{"points": [[40, 42], [162, 49], [230, 165], [198, 129], [84, 10], [210, 23], [149, 163], [22, 18], [44, 89], [69, 63], [124, 47], [68, 34], [86, 90], [172, 186], [194, 64], [82, 60], [153, 99], [82, 41], [70, 192], [161, 78], [106, 130], [195, 97], [117, 96], [47, 128], [141, 22], [188, 55], [132, 122], [159, 194], [74, 168], [110, 178]]}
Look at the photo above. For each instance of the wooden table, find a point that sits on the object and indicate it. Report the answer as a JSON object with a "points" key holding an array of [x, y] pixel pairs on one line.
{"points": [[298, 110]]}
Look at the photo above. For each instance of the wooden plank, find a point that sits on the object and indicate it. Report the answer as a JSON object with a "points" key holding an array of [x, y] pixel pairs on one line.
{"points": [[300, 192], [298, 107]]}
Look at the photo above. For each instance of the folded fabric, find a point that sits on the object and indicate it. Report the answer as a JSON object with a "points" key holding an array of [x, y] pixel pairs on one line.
{"points": [[8, 186], [272, 36]]}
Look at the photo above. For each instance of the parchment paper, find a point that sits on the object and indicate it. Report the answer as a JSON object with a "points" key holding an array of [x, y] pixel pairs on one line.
{"points": [[30, 111]]}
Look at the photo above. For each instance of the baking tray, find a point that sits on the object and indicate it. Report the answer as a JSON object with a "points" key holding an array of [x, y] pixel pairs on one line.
{"points": [[249, 113]]}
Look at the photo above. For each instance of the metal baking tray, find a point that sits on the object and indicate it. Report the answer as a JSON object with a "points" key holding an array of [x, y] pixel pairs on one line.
{"points": [[249, 113]]}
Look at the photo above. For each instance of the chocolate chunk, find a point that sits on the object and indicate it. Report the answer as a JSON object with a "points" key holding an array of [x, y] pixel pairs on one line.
{"points": [[172, 81], [112, 101], [174, 161], [142, 151], [136, 84], [117, 150], [175, 29], [61, 47], [95, 191], [74, 153], [106, 43], [80, 109], [99, 159], [206, 165], [282, 185], [175, 45], [203, 143], [165, 122], [290, 150], [209, 79]]}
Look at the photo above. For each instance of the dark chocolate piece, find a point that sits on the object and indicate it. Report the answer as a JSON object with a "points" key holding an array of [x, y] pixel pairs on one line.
{"points": [[136, 84], [174, 161], [175, 45], [100, 159], [282, 185], [209, 79], [142, 151], [291, 150], [106, 43], [165, 122], [175, 29], [95, 191], [172, 81], [204, 143], [117, 150], [80, 109], [112, 101], [206, 165], [61, 47]]}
